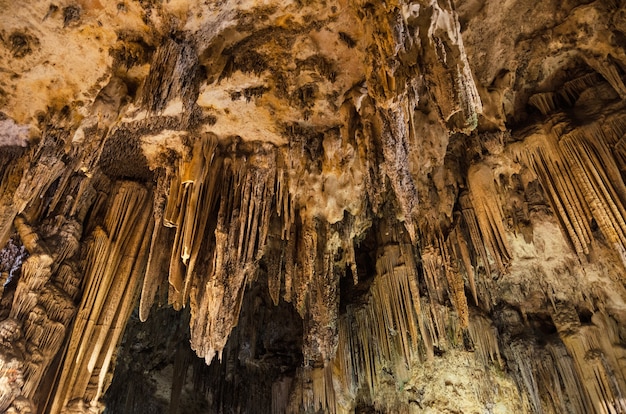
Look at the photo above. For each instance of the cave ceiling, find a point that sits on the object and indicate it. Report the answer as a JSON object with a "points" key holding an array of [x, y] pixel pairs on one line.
{"points": [[304, 206]]}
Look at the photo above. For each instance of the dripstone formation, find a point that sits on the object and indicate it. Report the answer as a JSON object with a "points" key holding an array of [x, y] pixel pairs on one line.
{"points": [[340, 206]]}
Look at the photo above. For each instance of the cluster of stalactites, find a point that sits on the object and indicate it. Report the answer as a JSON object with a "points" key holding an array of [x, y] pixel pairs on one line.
{"points": [[466, 256], [597, 358], [228, 203], [115, 261], [225, 206], [580, 171], [580, 371], [229, 198], [386, 339], [45, 198], [386, 333]]}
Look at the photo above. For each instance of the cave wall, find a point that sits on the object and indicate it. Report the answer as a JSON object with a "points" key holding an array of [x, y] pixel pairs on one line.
{"points": [[407, 206]]}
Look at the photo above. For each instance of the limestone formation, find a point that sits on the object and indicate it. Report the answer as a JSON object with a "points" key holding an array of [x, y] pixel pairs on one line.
{"points": [[313, 206]]}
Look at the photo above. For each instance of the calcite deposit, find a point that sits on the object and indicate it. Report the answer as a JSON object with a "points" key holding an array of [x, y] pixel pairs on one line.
{"points": [[340, 206]]}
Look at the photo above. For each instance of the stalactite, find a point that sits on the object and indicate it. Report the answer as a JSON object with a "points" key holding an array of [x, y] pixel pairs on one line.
{"points": [[441, 324], [36, 271], [522, 357], [489, 215], [9, 182], [43, 308], [567, 200], [445, 63], [456, 285], [68, 279], [607, 190], [240, 235], [395, 137], [433, 265], [571, 90], [12, 364], [59, 306], [280, 395], [192, 196], [290, 269], [570, 383], [471, 221], [485, 338], [275, 269], [369, 151], [546, 102], [319, 393], [459, 243], [442, 272], [306, 260], [172, 73], [25, 300], [47, 166], [610, 71], [323, 301]]}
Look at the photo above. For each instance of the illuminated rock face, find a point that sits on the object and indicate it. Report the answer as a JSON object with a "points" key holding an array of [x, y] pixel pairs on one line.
{"points": [[354, 206]]}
